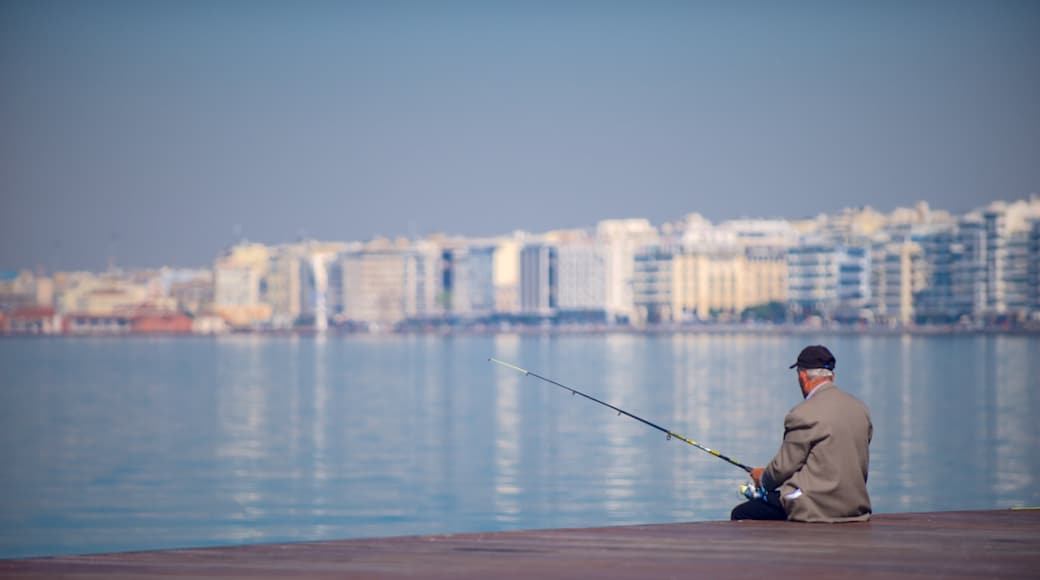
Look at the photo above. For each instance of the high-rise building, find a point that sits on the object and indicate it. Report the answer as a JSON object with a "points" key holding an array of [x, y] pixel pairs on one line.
{"points": [[898, 276], [812, 276], [538, 279], [476, 281], [829, 279], [581, 268], [374, 284], [708, 282], [237, 279], [654, 285], [283, 285], [506, 275], [1034, 267], [621, 240], [1017, 289], [427, 283], [854, 288], [765, 277], [970, 267]]}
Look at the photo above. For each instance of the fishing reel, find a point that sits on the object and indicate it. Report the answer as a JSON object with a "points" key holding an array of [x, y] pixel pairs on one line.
{"points": [[751, 491]]}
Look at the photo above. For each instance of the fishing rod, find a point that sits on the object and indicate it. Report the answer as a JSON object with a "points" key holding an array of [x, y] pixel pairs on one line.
{"points": [[667, 432]]}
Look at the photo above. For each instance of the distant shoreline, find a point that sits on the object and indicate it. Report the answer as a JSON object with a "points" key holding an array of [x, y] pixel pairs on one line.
{"points": [[578, 330]]}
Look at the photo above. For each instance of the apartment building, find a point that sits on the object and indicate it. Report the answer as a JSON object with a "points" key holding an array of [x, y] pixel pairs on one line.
{"points": [[374, 282], [655, 285], [582, 280], [237, 278], [538, 279], [282, 285], [620, 241], [426, 281]]}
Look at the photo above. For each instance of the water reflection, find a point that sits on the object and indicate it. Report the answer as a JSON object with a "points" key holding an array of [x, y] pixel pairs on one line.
{"points": [[507, 488]]}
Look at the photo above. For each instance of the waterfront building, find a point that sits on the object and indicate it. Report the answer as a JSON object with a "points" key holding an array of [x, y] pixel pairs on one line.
{"points": [[110, 294], [1007, 238], [237, 279], [191, 290], [898, 277], [707, 283], [971, 267], [235, 286], [31, 320], [706, 272], [994, 261], [654, 285], [829, 279], [765, 274], [1017, 289], [335, 288], [96, 324], [941, 257], [723, 281], [461, 285], [980, 268], [812, 270], [315, 295], [854, 287], [282, 285], [426, 281], [474, 281], [374, 283], [506, 275], [166, 322], [538, 279], [1034, 268], [620, 241], [24, 290], [581, 268], [764, 267]]}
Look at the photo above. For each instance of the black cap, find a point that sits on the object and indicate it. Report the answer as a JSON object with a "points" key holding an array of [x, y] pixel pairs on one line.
{"points": [[815, 357]]}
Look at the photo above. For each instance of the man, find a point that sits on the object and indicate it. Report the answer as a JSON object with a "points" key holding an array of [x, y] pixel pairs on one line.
{"points": [[820, 472]]}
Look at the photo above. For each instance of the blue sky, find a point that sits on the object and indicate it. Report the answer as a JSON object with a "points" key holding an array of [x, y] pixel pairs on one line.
{"points": [[161, 132]]}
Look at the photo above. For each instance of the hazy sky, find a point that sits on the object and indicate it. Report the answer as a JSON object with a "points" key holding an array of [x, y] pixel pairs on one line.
{"points": [[160, 132]]}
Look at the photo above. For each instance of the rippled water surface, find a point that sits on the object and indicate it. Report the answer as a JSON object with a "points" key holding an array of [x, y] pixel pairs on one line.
{"points": [[127, 444]]}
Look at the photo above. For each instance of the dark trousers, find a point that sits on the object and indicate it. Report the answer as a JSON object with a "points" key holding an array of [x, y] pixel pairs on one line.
{"points": [[756, 509]]}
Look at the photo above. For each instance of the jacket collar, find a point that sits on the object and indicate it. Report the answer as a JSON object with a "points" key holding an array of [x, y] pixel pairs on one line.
{"points": [[819, 388]]}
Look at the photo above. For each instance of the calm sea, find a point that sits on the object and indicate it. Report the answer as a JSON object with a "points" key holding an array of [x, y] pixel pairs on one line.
{"points": [[114, 444]]}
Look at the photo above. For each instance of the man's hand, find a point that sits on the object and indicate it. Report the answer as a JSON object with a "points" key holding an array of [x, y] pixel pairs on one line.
{"points": [[756, 475]]}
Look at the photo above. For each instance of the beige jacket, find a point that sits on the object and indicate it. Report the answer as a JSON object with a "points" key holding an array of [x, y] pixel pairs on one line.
{"points": [[821, 468]]}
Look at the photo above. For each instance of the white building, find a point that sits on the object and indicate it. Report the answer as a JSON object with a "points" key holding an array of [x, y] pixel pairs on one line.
{"points": [[538, 283], [829, 279], [479, 281], [654, 285], [621, 240], [812, 276], [899, 275], [423, 291], [581, 267], [374, 284], [283, 285]]}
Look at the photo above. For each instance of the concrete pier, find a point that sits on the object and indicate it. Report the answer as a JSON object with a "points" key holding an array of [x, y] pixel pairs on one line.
{"points": [[970, 544]]}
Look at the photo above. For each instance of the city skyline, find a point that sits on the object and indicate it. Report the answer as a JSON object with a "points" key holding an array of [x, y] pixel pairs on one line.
{"points": [[911, 266], [157, 133]]}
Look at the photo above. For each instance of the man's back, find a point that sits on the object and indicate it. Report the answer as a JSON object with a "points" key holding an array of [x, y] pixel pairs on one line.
{"points": [[823, 461]]}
